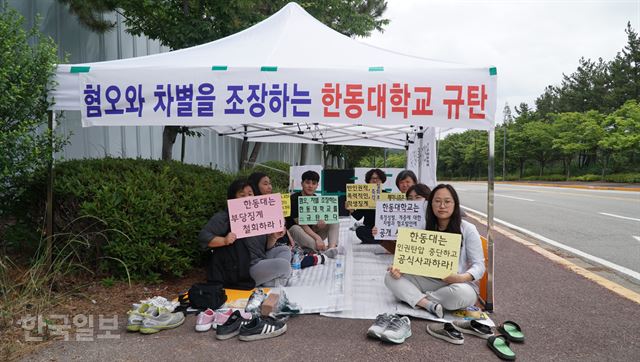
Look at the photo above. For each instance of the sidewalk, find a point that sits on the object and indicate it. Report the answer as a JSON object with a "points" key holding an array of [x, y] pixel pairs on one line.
{"points": [[564, 316]]}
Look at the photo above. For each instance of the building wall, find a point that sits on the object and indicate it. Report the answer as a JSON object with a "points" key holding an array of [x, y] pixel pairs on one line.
{"points": [[81, 45]]}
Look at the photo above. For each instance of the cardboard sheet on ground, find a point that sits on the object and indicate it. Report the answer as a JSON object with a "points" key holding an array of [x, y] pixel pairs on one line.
{"points": [[256, 215], [237, 298], [427, 253], [370, 296], [316, 290]]}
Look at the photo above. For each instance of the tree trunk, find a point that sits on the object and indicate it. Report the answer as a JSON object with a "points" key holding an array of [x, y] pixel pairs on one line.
{"points": [[169, 134], [254, 154], [521, 169], [303, 154], [243, 154]]}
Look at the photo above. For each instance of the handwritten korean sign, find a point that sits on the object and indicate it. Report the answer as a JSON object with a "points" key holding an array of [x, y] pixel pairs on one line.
{"points": [[393, 196], [256, 215], [391, 215], [286, 205], [427, 253], [312, 209], [362, 196]]}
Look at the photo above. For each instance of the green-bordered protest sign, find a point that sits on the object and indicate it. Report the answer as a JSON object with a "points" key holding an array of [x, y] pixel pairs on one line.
{"points": [[312, 209]]}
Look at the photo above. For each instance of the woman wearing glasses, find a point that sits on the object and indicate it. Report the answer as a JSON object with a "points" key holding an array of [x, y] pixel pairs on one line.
{"points": [[458, 290]]}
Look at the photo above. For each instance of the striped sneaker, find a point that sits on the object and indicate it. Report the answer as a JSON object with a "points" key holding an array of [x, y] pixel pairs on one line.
{"points": [[231, 327], [261, 328]]}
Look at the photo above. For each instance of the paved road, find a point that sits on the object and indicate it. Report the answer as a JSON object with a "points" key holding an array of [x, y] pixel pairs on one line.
{"points": [[602, 223]]}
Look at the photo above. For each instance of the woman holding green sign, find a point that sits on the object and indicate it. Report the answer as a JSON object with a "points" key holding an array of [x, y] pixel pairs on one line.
{"points": [[458, 290]]}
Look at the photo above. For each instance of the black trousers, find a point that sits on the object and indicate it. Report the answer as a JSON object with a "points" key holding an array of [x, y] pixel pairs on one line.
{"points": [[364, 233]]}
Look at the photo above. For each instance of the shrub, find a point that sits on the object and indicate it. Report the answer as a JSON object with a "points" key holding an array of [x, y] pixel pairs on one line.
{"points": [[587, 178], [143, 215], [623, 177], [27, 64]]}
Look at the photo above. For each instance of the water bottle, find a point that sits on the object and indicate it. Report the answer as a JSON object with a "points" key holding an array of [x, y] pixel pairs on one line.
{"points": [[296, 259]]}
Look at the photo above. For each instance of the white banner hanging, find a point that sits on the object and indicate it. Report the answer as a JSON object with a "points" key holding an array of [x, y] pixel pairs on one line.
{"points": [[463, 98], [421, 157]]}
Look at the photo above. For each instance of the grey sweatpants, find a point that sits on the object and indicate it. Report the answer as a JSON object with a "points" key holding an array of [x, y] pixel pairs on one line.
{"points": [[276, 265], [305, 241], [411, 288]]}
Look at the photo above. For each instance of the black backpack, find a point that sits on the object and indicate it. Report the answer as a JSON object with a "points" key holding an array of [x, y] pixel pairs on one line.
{"points": [[207, 295]]}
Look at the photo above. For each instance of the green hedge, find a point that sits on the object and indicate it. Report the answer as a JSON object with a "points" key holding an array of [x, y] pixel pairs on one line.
{"points": [[144, 214]]}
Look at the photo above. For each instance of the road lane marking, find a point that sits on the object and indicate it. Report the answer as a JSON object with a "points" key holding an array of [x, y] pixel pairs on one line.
{"points": [[636, 237], [621, 217], [606, 283], [514, 197], [608, 264]]}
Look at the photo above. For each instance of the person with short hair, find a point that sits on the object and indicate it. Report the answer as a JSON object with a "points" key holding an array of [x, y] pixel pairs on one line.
{"points": [[406, 179], [458, 290], [311, 237], [364, 232], [418, 192]]}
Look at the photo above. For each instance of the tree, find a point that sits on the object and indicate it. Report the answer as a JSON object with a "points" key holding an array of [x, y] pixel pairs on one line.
{"points": [[567, 141], [25, 76], [184, 23], [621, 133], [625, 71], [540, 141]]}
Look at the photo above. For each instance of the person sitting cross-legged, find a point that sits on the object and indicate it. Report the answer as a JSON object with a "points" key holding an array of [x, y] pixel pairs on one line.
{"points": [[458, 290], [311, 237]]}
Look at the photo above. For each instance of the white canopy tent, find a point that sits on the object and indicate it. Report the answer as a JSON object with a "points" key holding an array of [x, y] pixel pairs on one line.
{"points": [[288, 78]]}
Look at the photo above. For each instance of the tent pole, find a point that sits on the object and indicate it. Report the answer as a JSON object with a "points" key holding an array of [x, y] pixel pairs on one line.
{"points": [[490, 248], [49, 208], [420, 145]]}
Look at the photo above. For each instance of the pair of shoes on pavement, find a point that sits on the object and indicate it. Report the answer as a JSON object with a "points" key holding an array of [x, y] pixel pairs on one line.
{"points": [[149, 319], [390, 328], [252, 329], [452, 332], [210, 319]]}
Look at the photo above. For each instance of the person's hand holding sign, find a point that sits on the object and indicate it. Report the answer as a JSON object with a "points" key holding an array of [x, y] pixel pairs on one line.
{"points": [[321, 224], [395, 273], [230, 239]]}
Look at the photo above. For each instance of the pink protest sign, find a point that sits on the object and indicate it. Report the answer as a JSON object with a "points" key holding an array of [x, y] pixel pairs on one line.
{"points": [[256, 215]]}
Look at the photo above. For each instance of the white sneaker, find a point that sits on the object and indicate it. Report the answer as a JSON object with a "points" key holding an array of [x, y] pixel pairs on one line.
{"points": [[398, 330], [381, 323]]}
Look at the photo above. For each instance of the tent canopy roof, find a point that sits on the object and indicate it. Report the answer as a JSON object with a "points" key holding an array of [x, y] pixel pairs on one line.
{"points": [[290, 38]]}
